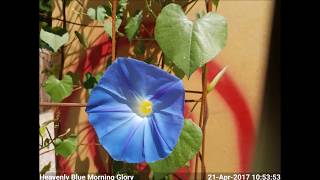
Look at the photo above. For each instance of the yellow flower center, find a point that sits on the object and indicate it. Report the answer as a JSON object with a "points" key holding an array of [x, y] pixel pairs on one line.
{"points": [[145, 108]]}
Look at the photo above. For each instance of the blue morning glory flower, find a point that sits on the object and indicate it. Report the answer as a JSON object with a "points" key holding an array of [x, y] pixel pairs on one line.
{"points": [[136, 110]]}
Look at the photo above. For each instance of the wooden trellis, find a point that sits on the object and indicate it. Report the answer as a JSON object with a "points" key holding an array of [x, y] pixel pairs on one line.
{"points": [[203, 116]]}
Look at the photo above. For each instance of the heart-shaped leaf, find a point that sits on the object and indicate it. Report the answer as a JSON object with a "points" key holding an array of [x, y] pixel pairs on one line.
{"points": [[101, 13], [65, 147], [42, 130], [189, 44], [58, 90], [133, 25], [108, 26], [53, 40], [188, 145], [91, 13]]}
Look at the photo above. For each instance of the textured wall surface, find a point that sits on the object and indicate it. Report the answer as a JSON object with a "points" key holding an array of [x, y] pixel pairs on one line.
{"points": [[234, 106]]}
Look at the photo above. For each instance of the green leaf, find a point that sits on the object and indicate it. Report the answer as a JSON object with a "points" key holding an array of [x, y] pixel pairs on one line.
{"points": [[59, 89], [188, 145], [45, 168], [45, 5], [187, 164], [91, 13], [57, 141], [108, 8], [53, 40], [133, 25], [101, 13], [139, 48], [99, 76], [42, 130], [189, 44], [108, 26], [177, 71], [57, 30], [216, 79], [90, 81], [66, 147], [122, 4], [216, 3], [82, 39]]}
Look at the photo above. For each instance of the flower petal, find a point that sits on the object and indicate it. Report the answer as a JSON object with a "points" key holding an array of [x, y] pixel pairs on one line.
{"points": [[125, 136], [112, 110], [144, 78], [170, 97]]}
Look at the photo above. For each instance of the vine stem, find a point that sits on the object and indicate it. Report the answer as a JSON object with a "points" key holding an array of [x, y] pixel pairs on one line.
{"points": [[187, 11], [79, 24], [204, 111], [205, 105], [46, 152], [114, 10], [162, 60], [113, 57], [149, 8], [64, 26], [192, 91], [185, 5]]}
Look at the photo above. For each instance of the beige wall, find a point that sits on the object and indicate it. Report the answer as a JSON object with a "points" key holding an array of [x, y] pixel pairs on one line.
{"points": [[249, 24]]}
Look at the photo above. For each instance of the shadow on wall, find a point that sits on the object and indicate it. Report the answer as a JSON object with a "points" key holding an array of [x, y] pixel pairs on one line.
{"points": [[267, 158]]}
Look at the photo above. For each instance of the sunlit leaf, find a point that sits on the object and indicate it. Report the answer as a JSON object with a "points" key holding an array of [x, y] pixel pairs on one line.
{"points": [[91, 13], [65, 147], [122, 4], [133, 25], [189, 44], [108, 26], [42, 130], [58, 89], [188, 145], [101, 13], [53, 40]]}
